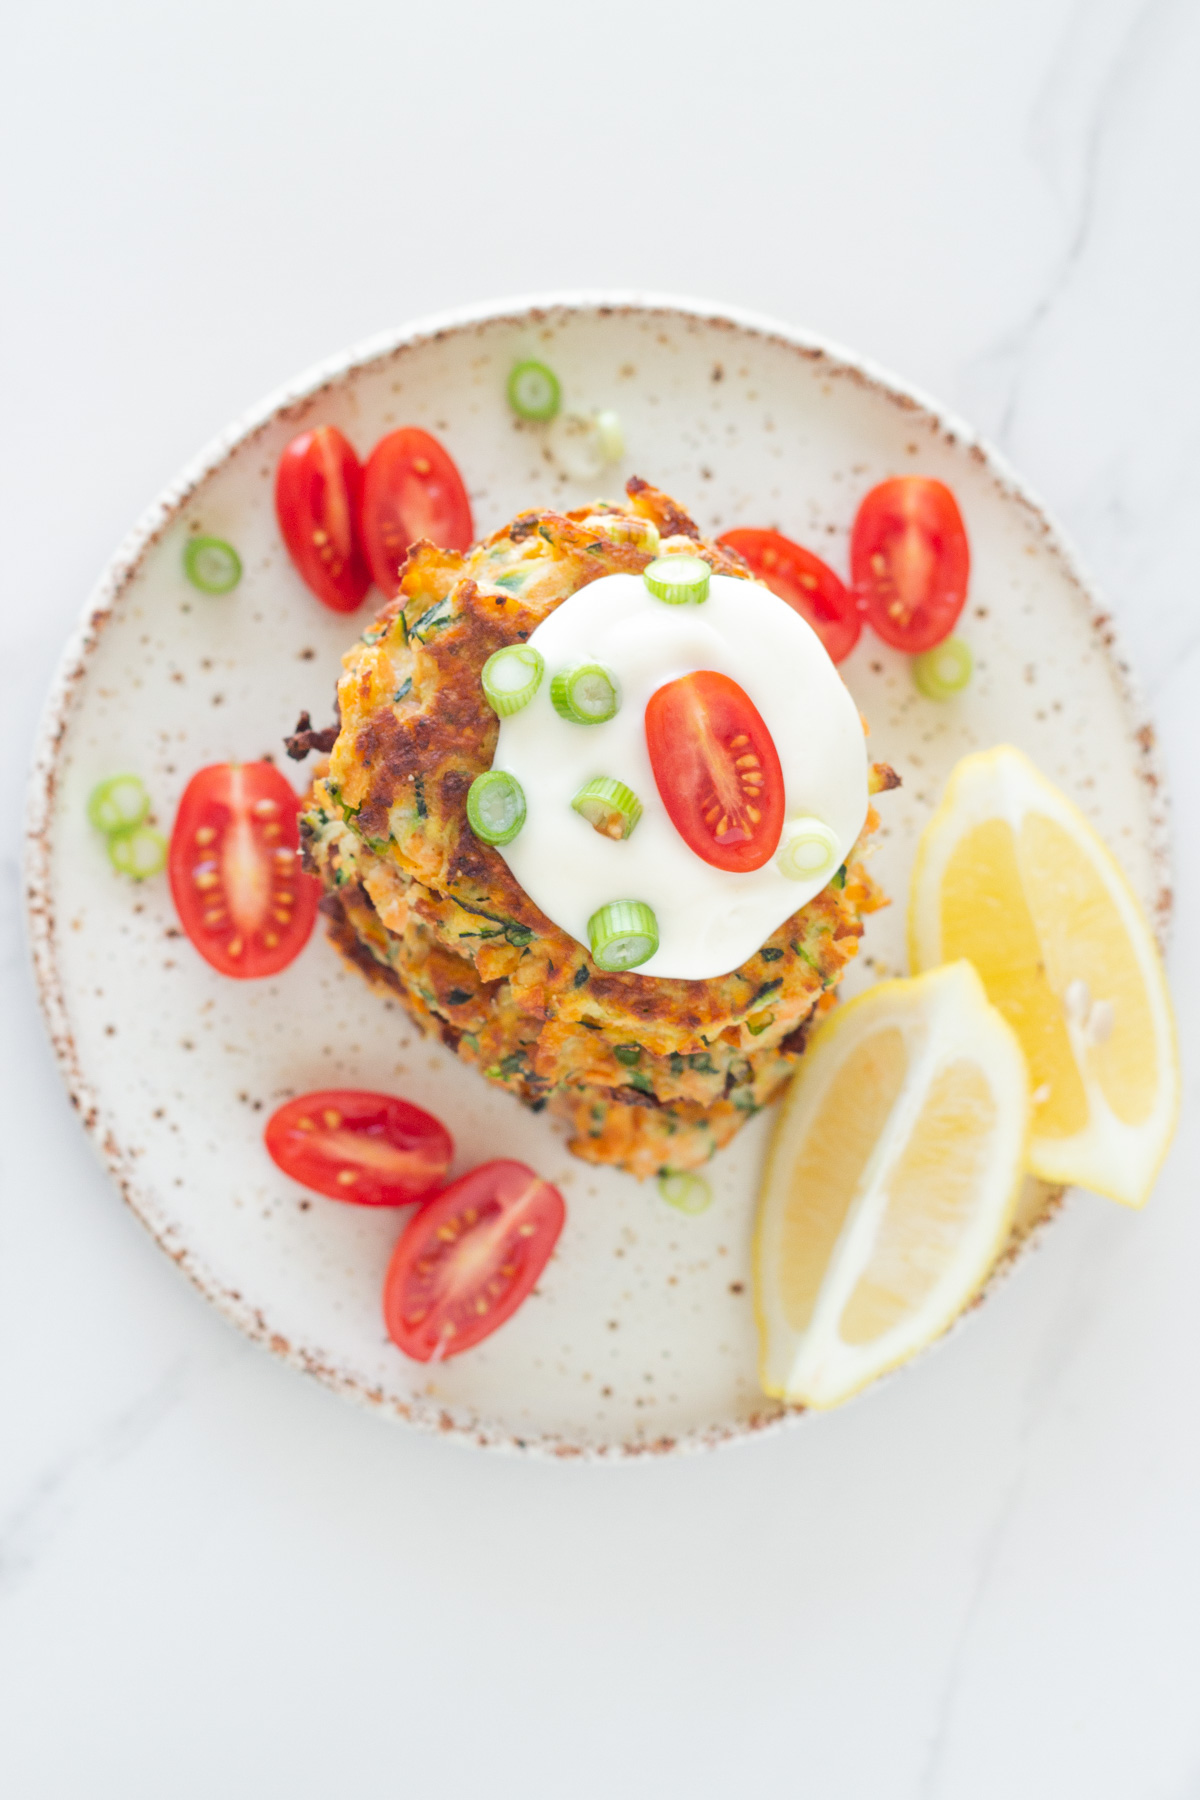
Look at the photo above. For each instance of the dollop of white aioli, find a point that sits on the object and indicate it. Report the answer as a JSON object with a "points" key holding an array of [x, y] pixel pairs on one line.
{"points": [[709, 920]]}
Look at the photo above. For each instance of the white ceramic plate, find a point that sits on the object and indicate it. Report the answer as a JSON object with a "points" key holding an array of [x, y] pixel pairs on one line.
{"points": [[640, 1336]]}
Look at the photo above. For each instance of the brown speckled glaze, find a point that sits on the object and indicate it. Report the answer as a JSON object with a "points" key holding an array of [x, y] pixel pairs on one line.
{"points": [[640, 1339]]}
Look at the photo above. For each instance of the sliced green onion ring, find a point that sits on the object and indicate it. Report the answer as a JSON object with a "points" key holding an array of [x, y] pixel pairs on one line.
{"points": [[609, 807], [808, 850], [945, 670], [686, 1193], [610, 436], [496, 807], [624, 528], [511, 677], [533, 392], [137, 852], [575, 445], [622, 934], [678, 579], [118, 804], [212, 565], [586, 694]]}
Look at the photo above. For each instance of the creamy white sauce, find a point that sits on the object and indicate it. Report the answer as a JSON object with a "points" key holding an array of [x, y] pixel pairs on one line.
{"points": [[709, 920]]}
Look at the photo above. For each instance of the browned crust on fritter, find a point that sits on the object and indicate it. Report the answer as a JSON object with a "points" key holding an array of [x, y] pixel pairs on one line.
{"points": [[671, 520], [306, 738]]}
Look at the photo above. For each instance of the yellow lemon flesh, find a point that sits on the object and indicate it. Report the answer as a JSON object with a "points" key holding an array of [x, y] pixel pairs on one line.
{"points": [[891, 1183], [1010, 875]]}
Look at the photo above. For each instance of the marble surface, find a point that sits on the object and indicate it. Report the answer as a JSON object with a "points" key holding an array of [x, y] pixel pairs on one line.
{"points": [[216, 1578]]}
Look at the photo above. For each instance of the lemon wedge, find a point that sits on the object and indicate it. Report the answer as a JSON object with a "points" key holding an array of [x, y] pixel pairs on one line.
{"points": [[1010, 875], [891, 1183]]}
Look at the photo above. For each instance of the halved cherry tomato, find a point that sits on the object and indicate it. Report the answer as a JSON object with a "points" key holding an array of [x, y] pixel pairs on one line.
{"points": [[805, 582], [468, 1258], [370, 1148], [235, 873], [411, 489], [717, 770], [909, 561], [318, 494]]}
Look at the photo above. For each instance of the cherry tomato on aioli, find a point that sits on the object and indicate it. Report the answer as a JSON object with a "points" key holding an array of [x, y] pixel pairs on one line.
{"points": [[370, 1148], [805, 582], [909, 561], [717, 770], [318, 493], [411, 489], [235, 873], [467, 1259]]}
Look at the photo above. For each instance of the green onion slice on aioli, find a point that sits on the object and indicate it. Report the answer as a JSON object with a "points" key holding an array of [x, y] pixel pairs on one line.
{"points": [[585, 694], [687, 1193], [808, 850], [678, 579], [533, 391], [212, 565], [945, 670], [511, 677], [622, 935], [496, 807], [118, 804], [137, 851], [609, 807]]}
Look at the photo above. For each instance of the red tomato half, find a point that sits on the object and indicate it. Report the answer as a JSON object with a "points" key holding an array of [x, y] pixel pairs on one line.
{"points": [[468, 1258], [909, 561], [717, 770], [411, 489], [805, 582], [370, 1148], [234, 866], [318, 493]]}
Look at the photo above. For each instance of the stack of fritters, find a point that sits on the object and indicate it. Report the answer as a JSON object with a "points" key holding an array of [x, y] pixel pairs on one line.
{"points": [[649, 1073]]}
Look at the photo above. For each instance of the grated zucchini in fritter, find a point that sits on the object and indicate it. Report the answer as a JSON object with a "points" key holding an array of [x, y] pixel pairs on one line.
{"points": [[649, 1073]]}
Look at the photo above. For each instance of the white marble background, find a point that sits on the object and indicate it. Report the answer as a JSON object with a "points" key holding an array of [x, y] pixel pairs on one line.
{"points": [[215, 1579]]}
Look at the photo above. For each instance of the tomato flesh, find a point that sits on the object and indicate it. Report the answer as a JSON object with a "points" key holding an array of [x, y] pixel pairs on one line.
{"points": [[468, 1258], [318, 494], [373, 1149], [234, 866], [805, 582], [910, 561], [411, 489], [717, 770]]}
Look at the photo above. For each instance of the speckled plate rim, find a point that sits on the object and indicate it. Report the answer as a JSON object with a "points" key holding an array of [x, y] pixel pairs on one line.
{"points": [[38, 858]]}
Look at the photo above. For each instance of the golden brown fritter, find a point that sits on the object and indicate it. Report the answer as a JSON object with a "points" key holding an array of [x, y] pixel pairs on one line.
{"points": [[649, 1073]]}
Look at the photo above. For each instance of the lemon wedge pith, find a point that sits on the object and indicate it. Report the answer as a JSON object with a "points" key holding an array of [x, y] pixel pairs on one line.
{"points": [[1010, 875], [891, 1183]]}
